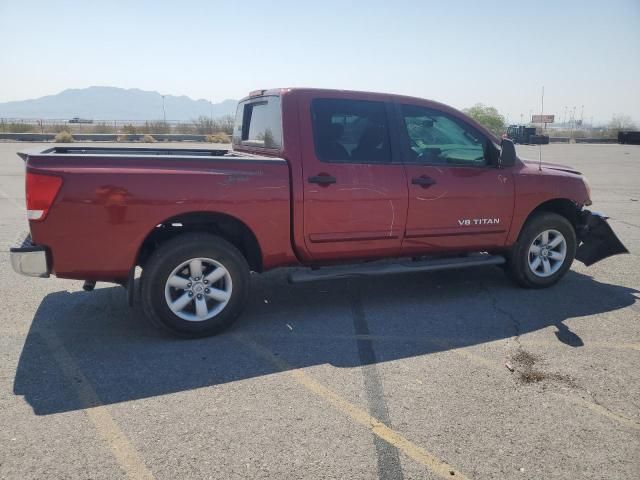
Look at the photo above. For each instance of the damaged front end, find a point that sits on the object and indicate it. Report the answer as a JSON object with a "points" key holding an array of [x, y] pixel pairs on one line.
{"points": [[596, 239]]}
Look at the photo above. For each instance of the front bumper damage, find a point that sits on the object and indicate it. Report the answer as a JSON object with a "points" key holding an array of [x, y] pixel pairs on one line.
{"points": [[596, 239]]}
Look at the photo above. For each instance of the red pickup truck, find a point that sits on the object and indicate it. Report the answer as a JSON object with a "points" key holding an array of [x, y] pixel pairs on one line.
{"points": [[338, 183]]}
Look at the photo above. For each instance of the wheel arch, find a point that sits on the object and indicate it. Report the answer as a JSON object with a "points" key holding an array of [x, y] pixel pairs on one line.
{"points": [[561, 206], [230, 228]]}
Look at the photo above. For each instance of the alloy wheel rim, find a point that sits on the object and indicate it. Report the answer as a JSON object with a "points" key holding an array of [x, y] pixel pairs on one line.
{"points": [[547, 253], [198, 289]]}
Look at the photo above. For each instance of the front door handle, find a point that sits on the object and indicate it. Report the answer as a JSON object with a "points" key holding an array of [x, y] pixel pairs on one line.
{"points": [[322, 179], [424, 181]]}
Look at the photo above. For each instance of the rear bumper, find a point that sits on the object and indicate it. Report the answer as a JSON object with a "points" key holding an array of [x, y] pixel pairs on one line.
{"points": [[597, 240], [29, 259]]}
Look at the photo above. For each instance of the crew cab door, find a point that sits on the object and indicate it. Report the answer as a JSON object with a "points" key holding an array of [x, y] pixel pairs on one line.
{"points": [[355, 194], [459, 199]]}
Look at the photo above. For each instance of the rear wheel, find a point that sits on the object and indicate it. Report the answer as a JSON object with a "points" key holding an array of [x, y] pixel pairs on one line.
{"points": [[544, 252], [195, 285]]}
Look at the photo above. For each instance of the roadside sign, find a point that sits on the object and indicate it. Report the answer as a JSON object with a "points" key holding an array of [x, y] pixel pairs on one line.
{"points": [[542, 118]]}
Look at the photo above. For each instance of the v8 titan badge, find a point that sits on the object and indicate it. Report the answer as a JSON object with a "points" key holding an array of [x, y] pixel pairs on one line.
{"points": [[465, 222]]}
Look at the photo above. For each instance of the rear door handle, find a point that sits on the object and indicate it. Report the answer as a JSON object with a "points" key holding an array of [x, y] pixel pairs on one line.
{"points": [[423, 181], [322, 179]]}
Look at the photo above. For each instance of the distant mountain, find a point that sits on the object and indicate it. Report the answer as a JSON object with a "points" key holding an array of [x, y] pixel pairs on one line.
{"points": [[112, 103]]}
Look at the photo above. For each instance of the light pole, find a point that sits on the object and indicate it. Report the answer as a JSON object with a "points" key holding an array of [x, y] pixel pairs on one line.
{"points": [[211, 115], [542, 110], [573, 122], [164, 113]]}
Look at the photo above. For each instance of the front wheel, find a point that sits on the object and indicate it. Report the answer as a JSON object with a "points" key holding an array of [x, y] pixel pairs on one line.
{"points": [[195, 285], [544, 252]]}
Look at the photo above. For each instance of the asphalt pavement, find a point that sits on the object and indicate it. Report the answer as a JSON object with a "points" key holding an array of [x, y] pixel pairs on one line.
{"points": [[456, 374]]}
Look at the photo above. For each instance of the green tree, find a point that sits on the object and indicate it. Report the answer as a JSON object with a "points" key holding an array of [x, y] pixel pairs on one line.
{"points": [[488, 117]]}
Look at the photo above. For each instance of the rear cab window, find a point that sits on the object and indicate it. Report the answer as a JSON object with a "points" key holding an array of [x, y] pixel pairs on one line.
{"points": [[258, 123]]}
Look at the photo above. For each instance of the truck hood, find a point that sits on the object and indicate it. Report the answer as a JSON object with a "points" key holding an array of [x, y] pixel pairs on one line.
{"points": [[552, 166]]}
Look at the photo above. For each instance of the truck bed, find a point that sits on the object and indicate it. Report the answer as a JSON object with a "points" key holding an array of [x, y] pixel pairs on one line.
{"points": [[113, 198]]}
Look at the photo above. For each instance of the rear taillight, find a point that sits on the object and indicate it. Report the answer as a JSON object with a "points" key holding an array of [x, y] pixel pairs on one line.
{"points": [[41, 190]]}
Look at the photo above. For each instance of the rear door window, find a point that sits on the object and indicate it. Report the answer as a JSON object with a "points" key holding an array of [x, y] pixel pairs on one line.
{"points": [[350, 131], [259, 123]]}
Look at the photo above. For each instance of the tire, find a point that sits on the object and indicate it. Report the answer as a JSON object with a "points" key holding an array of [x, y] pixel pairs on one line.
{"points": [[522, 266], [224, 295]]}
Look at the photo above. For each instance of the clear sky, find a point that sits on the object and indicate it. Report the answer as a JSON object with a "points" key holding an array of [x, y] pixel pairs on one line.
{"points": [[458, 52]]}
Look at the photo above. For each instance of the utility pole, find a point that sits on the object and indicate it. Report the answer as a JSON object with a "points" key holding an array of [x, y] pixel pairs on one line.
{"points": [[164, 113]]}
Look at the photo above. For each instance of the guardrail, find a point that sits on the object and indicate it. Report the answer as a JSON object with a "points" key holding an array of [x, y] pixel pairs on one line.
{"points": [[582, 140], [596, 140], [104, 137]]}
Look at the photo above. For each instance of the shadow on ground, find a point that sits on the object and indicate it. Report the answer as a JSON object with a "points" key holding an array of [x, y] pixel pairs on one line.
{"points": [[125, 359]]}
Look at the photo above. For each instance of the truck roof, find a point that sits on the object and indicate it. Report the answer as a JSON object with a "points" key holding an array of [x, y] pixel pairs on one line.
{"points": [[364, 95], [330, 91]]}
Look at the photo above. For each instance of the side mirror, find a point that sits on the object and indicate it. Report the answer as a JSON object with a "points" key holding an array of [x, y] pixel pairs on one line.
{"points": [[507, 153]]}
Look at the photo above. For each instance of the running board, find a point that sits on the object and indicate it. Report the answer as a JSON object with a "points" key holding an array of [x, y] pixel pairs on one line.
{"points": [[387, 268]]}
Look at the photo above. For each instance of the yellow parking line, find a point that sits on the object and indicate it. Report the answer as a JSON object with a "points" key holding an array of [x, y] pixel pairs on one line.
{"points": [[124, 453], [460, 342], [480, 360], [594, 407], [378, 428], [464, 352]]}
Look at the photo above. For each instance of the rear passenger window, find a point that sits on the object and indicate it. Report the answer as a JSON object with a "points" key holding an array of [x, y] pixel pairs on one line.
{"points": [[350, 131], [259, 123]]}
